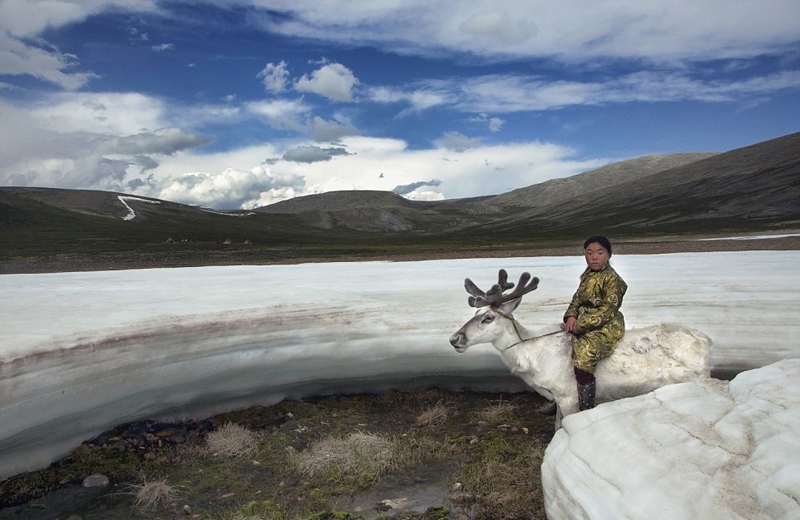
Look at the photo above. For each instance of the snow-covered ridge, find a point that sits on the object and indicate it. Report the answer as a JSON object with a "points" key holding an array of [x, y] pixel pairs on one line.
{"points": [[131, 214]]}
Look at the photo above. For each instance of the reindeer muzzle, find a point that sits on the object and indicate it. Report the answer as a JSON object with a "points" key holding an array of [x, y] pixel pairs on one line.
{"points": [[459, 341]]}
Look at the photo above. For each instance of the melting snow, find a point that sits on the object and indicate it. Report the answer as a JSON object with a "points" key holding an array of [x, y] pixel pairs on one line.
{"points": [[131, 214]]}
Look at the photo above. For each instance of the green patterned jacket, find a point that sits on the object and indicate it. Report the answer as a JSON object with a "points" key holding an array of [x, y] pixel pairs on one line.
{"points": [[598, 298]]}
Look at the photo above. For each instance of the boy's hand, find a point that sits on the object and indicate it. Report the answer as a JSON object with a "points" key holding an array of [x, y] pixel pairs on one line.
{"points": [[570, 325]]}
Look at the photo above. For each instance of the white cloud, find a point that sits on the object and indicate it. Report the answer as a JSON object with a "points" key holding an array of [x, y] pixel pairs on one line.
{"points": [[504, 94], [90, 141], [580, 31], [332, 80], [274, 77], [415, 190], [127, 140], [418, 97], [163, 47], [40, 61], [131, 143], [23, 52], [230, 188], [457, 142], [163, 141], [498, 26], [495, 124], [324, 131], [385, 164], [242, 178], [516, 93], [107, 113], [310, 154], [281, 114]]}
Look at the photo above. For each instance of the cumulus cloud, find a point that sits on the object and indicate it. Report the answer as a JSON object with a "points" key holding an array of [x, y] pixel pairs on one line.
{"points": [[494, 124], [231, 188], [95, 161], [310, 154], [371, 164], [332, 80], [163, 47], [388, 164], [274, 77], [84, 141]]}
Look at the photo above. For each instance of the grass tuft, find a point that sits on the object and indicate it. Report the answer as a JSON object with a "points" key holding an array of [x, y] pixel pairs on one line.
{"points": [[153, 495], [359, 458], [435, 415], [232, 441], [503, 411], [505, 479]]}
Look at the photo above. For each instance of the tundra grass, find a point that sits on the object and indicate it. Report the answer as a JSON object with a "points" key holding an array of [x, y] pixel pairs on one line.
{"points": [[327, 453]]}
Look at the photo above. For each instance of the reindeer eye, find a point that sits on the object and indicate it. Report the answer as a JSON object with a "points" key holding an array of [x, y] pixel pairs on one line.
{"points": [[487, 319]]}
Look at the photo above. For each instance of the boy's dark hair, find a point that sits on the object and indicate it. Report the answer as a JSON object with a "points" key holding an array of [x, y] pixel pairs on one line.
{"points": [[600, 239]]}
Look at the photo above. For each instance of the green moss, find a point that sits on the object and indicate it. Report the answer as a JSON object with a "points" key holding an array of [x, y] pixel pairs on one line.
{"points": [[264, 509], [333, 515]]}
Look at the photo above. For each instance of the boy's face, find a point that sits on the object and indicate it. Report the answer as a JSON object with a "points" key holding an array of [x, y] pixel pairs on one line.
{"points": [[596, 256]]}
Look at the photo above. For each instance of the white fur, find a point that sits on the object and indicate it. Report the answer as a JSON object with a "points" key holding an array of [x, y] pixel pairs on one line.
{"points": [[645, 359]]}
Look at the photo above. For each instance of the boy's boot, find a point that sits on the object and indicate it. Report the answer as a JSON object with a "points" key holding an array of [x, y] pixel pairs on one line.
{"points": [[586, 388], [548, 409], [586, 396]]}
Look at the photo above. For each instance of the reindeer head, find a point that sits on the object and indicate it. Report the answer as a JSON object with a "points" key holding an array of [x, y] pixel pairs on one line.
{"points": [[492, 304]]}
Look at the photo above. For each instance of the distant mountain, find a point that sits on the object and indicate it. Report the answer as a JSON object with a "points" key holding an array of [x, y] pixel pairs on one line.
{"points": [[380, 210], [557, 191], [753, 188], [747, 188], [740, 189]]}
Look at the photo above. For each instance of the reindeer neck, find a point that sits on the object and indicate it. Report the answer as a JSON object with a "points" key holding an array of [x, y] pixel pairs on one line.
{"points": [[519, 334]]}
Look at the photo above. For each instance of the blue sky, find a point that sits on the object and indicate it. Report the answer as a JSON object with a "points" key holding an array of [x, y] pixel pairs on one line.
{"points": [[262, 100]]}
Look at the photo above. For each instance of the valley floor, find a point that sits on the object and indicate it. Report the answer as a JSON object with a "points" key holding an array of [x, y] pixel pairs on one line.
{"points": [[175, 258]]}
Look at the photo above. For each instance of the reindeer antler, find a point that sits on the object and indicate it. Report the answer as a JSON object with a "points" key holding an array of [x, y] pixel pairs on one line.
{"points": [[494, 297]]}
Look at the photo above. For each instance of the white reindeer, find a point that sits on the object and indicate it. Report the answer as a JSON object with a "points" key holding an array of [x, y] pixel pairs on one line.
{"points": [[644, 359]]}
